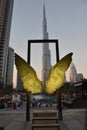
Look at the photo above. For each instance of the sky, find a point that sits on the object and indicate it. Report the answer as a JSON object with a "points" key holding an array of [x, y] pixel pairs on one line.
{"points": [[66, 21]]}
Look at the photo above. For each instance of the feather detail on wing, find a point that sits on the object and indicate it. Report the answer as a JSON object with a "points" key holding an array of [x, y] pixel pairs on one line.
{"points": [[28, 76], [57, 74]]}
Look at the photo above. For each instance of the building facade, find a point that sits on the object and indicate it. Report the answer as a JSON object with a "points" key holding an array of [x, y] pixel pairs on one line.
{"points": [[73, 73], [10, 67], [80, 77], [46, 54], [6, 9], [19, 85]]}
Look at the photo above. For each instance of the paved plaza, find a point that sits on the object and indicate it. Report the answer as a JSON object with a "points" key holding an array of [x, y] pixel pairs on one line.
{"points": [[73, 119]]}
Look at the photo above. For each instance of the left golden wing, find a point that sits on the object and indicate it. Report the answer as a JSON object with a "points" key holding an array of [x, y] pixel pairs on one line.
{"points": [[28, 76], [57, 74]]}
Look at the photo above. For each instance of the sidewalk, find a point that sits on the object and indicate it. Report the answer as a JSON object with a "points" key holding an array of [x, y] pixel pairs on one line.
{"points": [[75, 119], [18, 123], [12, 120]]}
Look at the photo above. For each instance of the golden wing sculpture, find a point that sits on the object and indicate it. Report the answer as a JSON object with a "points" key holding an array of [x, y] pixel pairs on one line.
{"points": [[57, 74], [28, 76], [55, 79]]}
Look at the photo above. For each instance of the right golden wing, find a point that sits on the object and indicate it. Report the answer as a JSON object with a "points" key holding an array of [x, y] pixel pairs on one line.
{"points": [[28, 75], [57, 74]]}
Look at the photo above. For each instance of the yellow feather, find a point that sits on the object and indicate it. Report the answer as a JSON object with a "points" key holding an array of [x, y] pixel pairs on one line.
{"points": [[33, 84], [28, 76], [57, 74]]}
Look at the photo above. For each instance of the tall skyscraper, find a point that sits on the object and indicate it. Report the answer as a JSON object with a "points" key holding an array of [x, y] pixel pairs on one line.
{"points": [[73, 73], [10, 66], [6, 9], [19, 86], [46, 55]]}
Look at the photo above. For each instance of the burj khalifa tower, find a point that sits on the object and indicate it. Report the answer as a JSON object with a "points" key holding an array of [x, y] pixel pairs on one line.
{"points": [[46, 54]]}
